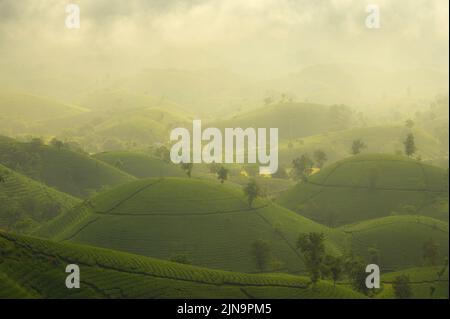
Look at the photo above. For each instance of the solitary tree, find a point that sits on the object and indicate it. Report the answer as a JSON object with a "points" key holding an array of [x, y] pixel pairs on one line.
{"points": [[252, 191], [402, 287], [313, 250], [431, 252], [261, 252], [188, 168], [357, 146], [410, 145], [222, 174], [2, 179], [320, 157], [355, 267], [334, 267]]}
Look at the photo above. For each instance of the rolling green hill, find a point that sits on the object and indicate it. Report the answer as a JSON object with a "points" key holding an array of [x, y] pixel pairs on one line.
{"points": [[399, 239], [70, 172], [209, 223], [293, 120], [378, 139], [25, 203], [370, 186], [139, 164], [35, 268], [34, 108], [426, 282], [19, 112]]}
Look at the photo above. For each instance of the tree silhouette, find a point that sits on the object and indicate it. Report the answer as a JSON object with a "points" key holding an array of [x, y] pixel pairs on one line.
{"points": [[312, 248], [357, 146], [222, 174], [252, 191], [410, 145], [187, 167], [320, 157]]}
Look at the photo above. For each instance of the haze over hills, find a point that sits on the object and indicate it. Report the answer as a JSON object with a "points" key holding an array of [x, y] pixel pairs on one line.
{"points": [[386, 139], [86, 115]]}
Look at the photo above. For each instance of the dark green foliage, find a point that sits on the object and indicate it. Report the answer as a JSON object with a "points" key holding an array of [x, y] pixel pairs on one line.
{"points": [[320, 157], [431, 252], [252, 191], [357, 146], [355, 268], [300, 167], [410, 145], [261, 253], [312, 248], [402, 287], [222, 174], [187, 167], [333, 268]]}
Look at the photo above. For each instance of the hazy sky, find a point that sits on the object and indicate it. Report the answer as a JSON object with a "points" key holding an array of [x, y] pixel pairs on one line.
{"points": [[269, 37]]}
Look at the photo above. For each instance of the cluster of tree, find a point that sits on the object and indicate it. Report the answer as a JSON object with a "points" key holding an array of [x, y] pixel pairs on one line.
{"points": [[163, 153], [321, 265], [302, 166], [282, 98]]}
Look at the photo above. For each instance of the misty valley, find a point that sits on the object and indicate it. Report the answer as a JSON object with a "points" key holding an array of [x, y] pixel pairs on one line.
{"points": [[224, 150]]}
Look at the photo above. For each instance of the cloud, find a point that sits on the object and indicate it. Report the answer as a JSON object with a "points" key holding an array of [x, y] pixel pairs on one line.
{"points": [[251, 35]]}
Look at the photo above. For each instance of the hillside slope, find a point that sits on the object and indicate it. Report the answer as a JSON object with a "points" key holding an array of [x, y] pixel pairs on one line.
{"points": [[70, 172], [293, 120], [370, 186], [35, 268], [425, 282], [139, 165], [387, 139], [208, 223], [399, 239], [25, 203]]}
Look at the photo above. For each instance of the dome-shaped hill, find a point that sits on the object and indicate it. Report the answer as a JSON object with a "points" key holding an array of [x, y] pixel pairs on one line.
{"points": [[140, 165], [18, 106], [70, 172], [293, 119], [28, 263], [399, 239], [370, 186], [209, 223], [25, 203]]}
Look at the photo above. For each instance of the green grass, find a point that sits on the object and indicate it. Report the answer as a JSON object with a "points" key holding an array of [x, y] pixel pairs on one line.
{"points": [[25, 203], [370, 186], [71, 172], [422, 279], [399, 239], [35, 268], [386, 139], [292, 119], [210, 223], [139, 165]]}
